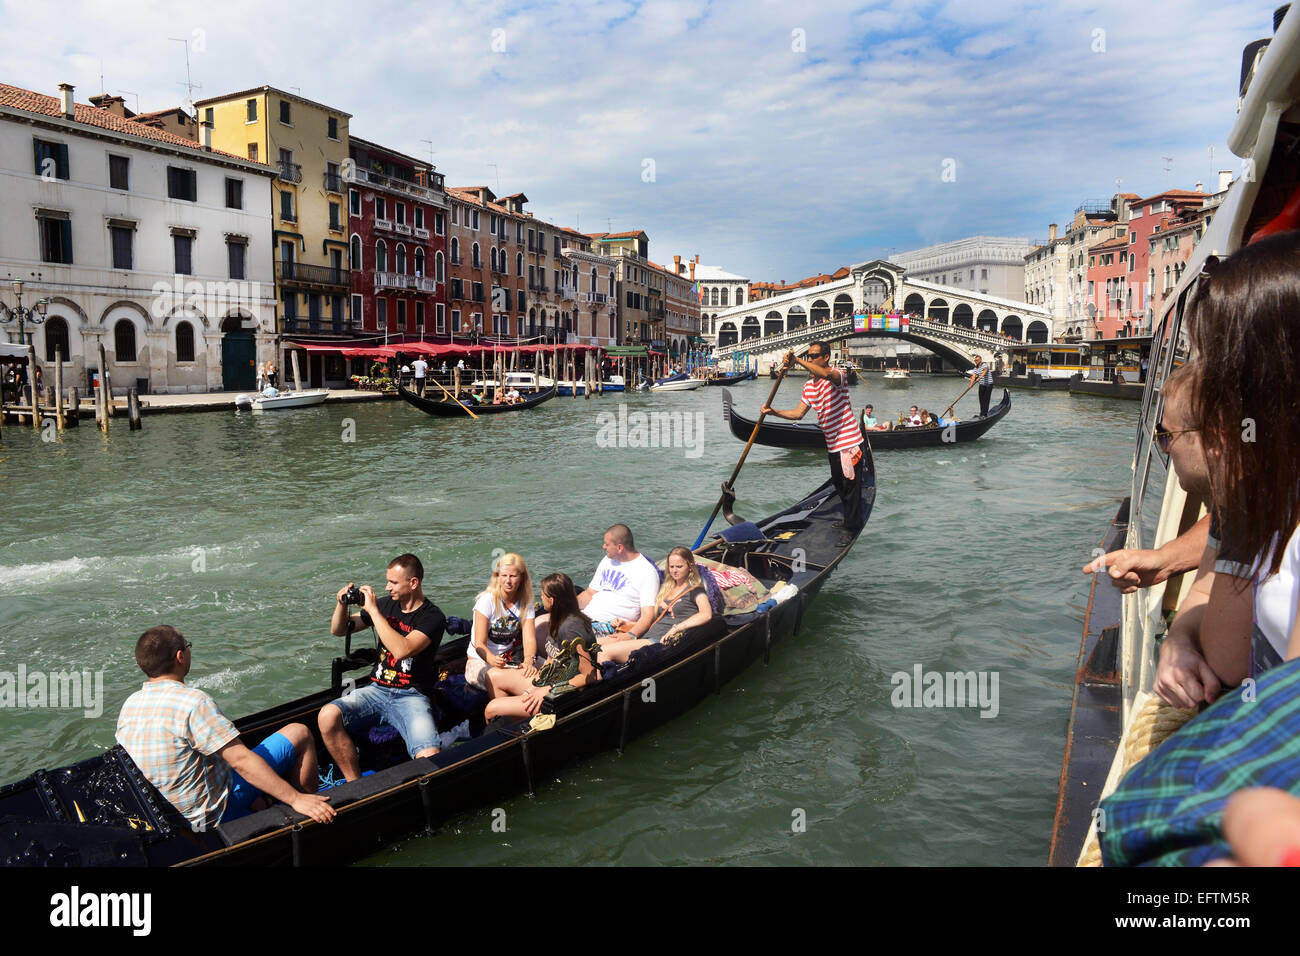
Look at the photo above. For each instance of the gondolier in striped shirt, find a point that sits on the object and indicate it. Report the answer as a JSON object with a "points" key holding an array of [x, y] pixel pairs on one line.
{"points": [[983, 374], [827, 391]]}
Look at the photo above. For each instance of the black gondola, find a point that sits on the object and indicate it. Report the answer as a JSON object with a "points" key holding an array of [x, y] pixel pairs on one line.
{"points": [[447, 408], [729, 379], [102, 812], [784, 434]]}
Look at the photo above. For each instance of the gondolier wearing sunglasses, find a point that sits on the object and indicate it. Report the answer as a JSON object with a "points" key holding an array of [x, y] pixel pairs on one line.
{"points": [[827, 391]]}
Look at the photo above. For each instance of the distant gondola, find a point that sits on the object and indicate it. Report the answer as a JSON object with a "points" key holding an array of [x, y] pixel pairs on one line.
{"points": [[729, 379], [784, 434], [449, 409], [102, 812]]}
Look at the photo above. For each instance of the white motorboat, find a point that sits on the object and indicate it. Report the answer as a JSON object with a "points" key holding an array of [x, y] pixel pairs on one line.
{"points": [[266, 403], [676, 383], [897, 376]]}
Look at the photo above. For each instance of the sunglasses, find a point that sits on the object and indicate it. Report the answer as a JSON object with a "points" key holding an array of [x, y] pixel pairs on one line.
{"points": [[1163, 435]]}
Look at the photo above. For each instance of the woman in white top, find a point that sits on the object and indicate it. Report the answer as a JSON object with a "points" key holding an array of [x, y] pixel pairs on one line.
{"points": [[503, 636]]}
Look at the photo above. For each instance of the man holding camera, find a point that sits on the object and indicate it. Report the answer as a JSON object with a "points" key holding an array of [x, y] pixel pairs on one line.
{"points": [[410, 628]]}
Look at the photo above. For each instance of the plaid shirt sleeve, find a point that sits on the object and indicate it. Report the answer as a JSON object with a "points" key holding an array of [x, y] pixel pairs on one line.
{"points": [[209, 730]]}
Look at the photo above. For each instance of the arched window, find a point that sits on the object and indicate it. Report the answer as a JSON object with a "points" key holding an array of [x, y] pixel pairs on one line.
{"points": [[455, 249], [593, 289], [478, 257], [399, 260], [355, 252], [493, 254], [715, 296], [56, 337], [124, 341], [381, 256], [184, 342], [519, 264], [724, 302], [740, 295], [440, 274], [419, 262]]}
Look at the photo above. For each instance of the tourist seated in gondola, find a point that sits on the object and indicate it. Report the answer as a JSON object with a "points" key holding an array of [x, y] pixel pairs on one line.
{"points": [[869, 421], [570, 657], [928, 420], [681, 608], [503, 634], [513, 397], [185, 746], [623, 587], [914, 417]]}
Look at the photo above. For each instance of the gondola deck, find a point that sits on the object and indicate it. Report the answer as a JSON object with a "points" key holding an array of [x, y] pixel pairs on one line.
{"points": [[132, 825], [446, 408], [785, 434]]}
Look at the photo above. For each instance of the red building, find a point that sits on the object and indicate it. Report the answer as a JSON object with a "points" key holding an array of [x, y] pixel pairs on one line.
{"points": [[1147, 217], [397, 225], [1108, 291], [486, 294]]}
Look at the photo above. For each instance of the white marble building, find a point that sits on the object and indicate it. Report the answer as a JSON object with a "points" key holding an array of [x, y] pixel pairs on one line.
{"points": [[141, 240]]}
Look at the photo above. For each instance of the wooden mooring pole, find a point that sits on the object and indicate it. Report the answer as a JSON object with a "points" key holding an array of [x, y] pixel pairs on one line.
{"points": [[133, 409], [35, 389], [58, 387]]}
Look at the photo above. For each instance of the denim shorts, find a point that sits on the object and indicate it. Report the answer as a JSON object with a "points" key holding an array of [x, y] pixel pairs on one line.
{"points": [[406, 711]]}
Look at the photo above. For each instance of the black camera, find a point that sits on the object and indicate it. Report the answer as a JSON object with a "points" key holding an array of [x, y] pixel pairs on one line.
{"points": [[353, 595]]}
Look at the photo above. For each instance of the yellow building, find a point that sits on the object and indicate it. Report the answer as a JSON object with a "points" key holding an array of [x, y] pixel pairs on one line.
{"points": [[308, 144]]}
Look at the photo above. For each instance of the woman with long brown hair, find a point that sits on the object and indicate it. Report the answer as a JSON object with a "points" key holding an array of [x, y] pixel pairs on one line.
{"points": [[570, 653]]}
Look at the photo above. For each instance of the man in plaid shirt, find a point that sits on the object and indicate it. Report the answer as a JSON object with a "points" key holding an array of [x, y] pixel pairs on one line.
{"points": [[186, 748]]}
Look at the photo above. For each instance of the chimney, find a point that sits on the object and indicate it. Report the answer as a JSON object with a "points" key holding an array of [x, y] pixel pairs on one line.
{"points": [[65, 97], [1225, 179], [697, 258], [677, 265], [206, 135], [1200, 186], [1051, 232], [692, 265]]}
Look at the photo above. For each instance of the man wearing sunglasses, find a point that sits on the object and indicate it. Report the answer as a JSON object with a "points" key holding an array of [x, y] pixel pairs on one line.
{"points": [[827, 391], [186, 747]]}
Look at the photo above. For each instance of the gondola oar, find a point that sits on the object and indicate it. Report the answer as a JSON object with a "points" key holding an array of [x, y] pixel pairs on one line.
{"points": [[456, 400], [771, 397], [958, 399]]}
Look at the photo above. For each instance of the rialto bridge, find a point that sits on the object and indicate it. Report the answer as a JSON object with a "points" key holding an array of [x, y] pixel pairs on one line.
{"points": [[955, 322]]}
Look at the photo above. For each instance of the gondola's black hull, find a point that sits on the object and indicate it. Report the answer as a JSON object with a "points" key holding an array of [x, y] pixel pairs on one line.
{"points": [[506, 760], [449, 409], [784, 434], [729, 379]]}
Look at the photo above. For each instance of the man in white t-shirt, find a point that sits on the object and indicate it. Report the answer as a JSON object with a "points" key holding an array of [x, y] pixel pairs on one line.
{"points": [[624, 587], [420, 366]]}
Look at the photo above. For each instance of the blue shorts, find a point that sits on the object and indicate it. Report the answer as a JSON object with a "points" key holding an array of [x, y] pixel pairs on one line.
{"points": [[276, 751], [406, 711]]}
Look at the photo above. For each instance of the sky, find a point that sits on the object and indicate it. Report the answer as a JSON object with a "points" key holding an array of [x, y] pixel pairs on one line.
{"points": [[775, 140]]}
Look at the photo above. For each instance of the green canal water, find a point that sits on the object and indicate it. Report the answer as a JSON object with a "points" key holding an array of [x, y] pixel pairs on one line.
{"points": [[239, 529]]}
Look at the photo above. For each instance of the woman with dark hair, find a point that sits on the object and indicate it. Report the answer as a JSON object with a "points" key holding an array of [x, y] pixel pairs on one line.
{"points": [[570, 653], [1245, 336], [681, 607]]}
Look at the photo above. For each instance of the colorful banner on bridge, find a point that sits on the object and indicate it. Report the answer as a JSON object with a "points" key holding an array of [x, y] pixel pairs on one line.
{"points": [[859, 321]]}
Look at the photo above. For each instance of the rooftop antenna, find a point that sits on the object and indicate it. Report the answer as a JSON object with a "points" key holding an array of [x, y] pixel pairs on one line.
{"points": [[102, 90], [1212, 170], [430, 142], [189, 84], [137, 98], [498, 175], [1169, 165]]}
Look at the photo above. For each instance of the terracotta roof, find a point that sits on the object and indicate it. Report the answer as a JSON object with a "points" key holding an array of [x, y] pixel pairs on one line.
{"points": [[18, 98], [226, 97], [1115, 243], [617, 235]]}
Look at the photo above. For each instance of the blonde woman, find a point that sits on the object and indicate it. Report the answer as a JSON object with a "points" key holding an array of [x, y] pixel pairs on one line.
{"points": [[503, 635], [682, 605]]}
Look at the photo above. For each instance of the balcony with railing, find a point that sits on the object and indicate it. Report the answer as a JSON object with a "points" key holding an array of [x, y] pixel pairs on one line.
{"points": [[567, 293], [303, 274], [421, 233], [595, 298], [298, 324], [384, 224], [402, 229], [333, 182], [358, 175], [398, 280], [289, 172]]}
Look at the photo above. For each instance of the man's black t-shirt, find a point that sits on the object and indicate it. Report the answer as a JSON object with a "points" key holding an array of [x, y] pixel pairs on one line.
{"points": [[418, 670]]}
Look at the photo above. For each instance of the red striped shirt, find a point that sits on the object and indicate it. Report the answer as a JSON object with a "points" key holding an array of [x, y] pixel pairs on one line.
{"points": [[834, 413]]}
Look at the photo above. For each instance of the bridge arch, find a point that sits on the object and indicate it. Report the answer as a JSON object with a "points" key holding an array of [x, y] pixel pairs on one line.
{"points": [[773, 323], [727, 334], [938, 311], [987, 321], [1037, 332], [820, 311], [749, 328], [796, 317], [843, 304], [1013, 327], [964, 316], [914, 304]]}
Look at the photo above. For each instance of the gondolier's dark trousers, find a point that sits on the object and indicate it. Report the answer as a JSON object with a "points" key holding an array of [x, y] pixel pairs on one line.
{"points": [[986, 392], [419, 386], [849, 490]]}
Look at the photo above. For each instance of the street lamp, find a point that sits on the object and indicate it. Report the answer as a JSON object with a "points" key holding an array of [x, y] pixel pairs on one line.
{"points": [[35, 316]]}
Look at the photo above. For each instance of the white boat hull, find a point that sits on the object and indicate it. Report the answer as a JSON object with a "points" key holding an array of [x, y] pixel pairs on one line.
{"points": [[689, 385], [304, 399]]}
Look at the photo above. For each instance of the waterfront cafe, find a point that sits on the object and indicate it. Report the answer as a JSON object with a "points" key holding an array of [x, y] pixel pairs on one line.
{"points": [[362, 359], [1100, 360]]}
